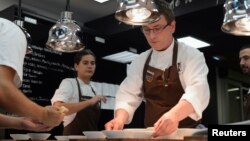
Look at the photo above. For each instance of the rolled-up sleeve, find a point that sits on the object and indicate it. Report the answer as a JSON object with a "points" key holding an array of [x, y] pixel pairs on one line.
{"points": [[129, 95], [64, 93], [195, 83]]}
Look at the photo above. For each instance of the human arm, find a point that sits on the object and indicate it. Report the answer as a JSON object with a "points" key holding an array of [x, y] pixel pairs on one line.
{"points": [[67, 95], [168, 123], [21, 123], [76, 107], [195, 84], [22, 106], [130, 93], [193, 75]]}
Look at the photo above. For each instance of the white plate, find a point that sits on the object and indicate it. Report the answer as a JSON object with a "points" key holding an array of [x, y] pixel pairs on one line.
{"points": [[180, 133], [94, 134], [137, 129], [77, 137], [39, 136], [20, 136], [62, 138], [150, 128], [129, 133]]}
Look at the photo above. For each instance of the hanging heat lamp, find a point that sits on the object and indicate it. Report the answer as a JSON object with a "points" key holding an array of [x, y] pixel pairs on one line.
{"points": [[65, 35], [137, 12], [20, 23], [237, 17]]}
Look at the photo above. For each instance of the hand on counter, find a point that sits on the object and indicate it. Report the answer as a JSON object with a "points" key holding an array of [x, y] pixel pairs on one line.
{"points": [[117, 123], [166, 125], [114, 124]]}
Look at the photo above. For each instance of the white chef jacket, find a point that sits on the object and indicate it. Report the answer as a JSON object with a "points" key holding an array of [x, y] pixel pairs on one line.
{"points": [[192, 73], [68, 93], [13, 46]]}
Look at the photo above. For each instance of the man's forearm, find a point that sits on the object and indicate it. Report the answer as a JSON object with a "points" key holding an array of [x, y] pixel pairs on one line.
{"points": [[182, 109], [9, 122], [122, 115], [13, 100]]}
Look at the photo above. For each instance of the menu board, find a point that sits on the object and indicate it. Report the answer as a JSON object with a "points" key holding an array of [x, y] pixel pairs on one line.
{"points": [[43, 71]]}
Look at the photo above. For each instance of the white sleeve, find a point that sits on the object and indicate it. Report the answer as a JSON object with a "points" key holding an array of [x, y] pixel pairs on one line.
{"points": [[129, 95], [13, 48], [66, 92], [196, 85]]}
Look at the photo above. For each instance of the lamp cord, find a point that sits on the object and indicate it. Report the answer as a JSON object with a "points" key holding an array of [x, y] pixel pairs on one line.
{"points": [[68, 6], [19, 10]]}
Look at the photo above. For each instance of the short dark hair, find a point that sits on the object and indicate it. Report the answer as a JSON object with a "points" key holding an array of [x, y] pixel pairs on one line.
{"points": [[165, 9], [245, 46], [82, 53]]}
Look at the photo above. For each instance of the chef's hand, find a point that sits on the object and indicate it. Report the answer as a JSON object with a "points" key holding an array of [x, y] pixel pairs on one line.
{"points": [[166, 125], [114, 124], [97, 99], [32, 125], [52, 116]]}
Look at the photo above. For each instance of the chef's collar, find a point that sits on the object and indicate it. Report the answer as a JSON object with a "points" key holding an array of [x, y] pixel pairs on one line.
{"points": [[169, 49]]}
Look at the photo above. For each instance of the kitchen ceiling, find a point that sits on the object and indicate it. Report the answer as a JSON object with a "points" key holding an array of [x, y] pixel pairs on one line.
{"points": [[83, 10], [199, 18], [94, 15]]}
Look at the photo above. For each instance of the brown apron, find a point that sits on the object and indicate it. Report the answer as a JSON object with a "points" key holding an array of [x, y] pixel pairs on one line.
{"points": [[162, 91], [86, 119]]}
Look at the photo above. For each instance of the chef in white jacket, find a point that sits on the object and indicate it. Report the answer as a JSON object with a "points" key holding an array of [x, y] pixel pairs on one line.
{"points": [[171, 77]]}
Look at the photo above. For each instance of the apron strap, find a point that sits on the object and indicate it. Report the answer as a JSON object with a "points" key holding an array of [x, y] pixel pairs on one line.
{"points": [[80, 92], [79, 89], [175, 53], [144, 69]]}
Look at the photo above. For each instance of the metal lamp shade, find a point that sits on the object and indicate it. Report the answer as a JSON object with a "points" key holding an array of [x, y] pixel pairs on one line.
{"points": [[29, 49], [65, 35], [137, 12], [237, 17], [27, 35]]}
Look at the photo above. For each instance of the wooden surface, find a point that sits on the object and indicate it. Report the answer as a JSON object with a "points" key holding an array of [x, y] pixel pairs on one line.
{"points": [[196, 138], [143, 140], [105, 140], [187, 138]]}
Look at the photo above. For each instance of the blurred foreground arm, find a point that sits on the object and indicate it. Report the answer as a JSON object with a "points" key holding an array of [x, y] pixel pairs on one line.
{"points": [[10, 94], [21, 123]]}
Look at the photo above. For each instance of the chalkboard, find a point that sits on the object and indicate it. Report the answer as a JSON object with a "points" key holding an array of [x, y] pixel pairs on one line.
{"points": [[43, 71]]}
